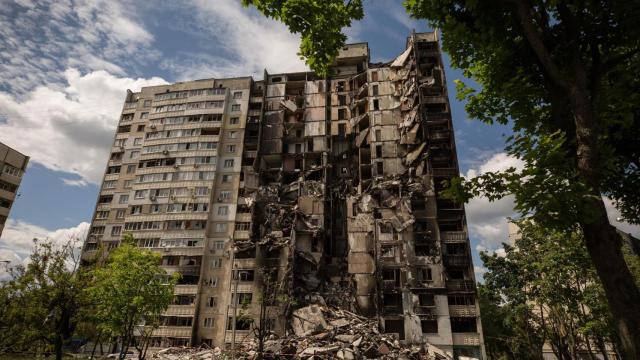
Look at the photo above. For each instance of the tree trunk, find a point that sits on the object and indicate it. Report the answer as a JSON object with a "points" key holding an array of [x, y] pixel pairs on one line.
{"points": [[58, 346], [603, 348], [602, 241], [95, 345]]}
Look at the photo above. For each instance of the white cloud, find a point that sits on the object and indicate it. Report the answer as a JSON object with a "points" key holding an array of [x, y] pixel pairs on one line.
{"points": [[17, 243], [69, 129], [39, 40], [246, 43], [75, 182], [487, 220]]}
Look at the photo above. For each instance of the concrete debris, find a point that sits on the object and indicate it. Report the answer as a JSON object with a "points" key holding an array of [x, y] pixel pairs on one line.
{"points": [[290, 105], [402, 59], [322, 332]]}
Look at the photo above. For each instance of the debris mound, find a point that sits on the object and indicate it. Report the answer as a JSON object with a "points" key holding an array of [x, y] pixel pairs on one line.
{"points": [[321, 332]]}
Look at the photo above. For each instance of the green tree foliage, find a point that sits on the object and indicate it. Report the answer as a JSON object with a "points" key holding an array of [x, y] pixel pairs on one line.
{"points": [[319, 23], [544, 289], [565, 75], [130, 290], [38, 304]]}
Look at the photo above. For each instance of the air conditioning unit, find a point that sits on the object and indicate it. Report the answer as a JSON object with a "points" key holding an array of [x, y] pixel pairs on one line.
{"points": [[121, 147], [196, 165], [165, 152], [176, 166], [153, 126], [152, 198]]}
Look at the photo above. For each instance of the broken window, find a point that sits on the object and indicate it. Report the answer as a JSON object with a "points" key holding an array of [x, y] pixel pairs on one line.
{"points": [[212, 301], [340, 86], [376, 104], [342, 114], [387, 251], [246, 254], [424, 274], [463, 325], [456, 274], [378, 151], [423, 249], [374, 90], [342, 100], [394, 327], [392, 302], [242, 226], [380, 167], [461, 300], [208, 322], [378, 135], [391, 277], [243, 298], [427, 300], [245, 275], [342, 130], [429, 326], [242, 323]]}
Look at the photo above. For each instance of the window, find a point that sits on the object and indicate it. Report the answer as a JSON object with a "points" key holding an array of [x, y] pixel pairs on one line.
{"points": [[242, 226], [374, 76], [224, 195], [424, 274], [374, 90], [212, 301], [208, 322], [244, 298], [202, 191], [245, 275], [237, 94], [463, 325], [120, 214], [144, 115], [228, 163], [226, 178], [429, 326], [121, 142], [216, 263], [137, 209], [109, 184], [218, 245], [140, 194], [376, 104], [221, 227], [113, 170], [342, 130], [231, 148], [131, 169], [102, 214], [378, 135], [211, 282], [427, 300], [137, 141], [232, 135], [123, 199], [115, 231], [134, 154], [127, 184], [342, 114], [342, 100], [155, 208], [234, 120], [140, 128], [147, 103], [235, 107]]}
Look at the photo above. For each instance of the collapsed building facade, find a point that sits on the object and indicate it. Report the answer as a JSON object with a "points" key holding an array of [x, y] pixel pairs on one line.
{"points": [[266, 195]]}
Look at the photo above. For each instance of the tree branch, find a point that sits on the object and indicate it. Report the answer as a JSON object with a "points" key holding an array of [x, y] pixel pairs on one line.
{"points": [[525, 15]]}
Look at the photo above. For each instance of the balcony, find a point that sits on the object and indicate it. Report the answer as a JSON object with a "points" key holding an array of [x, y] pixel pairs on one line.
{"points": [[461, 285], [445, 172], [453, 236], [466, 339], [173, 331], [185, 289], [180, 310], [462, 311]]}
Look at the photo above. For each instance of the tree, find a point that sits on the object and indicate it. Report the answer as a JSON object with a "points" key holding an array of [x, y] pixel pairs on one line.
{"points": [[40, 301], [564, 74], [130, 292], [549, 278]]}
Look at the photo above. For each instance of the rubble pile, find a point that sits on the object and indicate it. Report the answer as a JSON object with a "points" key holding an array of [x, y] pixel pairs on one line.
{"points": [[320, 332]]}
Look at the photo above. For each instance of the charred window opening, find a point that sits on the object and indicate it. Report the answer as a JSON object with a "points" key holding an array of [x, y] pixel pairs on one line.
{"points": [[424, 249], [455, 274], [244, 274], [392, 302], [246, 254], [461, 300], [463, 325], [388, 251], [391, 277], [429, 326], [426, 300], [424, 274], [378, 151]]}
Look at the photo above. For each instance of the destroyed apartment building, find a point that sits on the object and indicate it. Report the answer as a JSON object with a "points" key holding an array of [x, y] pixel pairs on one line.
{"points": [[268, 196]]}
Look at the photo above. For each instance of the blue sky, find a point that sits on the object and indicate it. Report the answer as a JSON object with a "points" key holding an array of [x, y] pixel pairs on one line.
{"points": [[65, 66]]}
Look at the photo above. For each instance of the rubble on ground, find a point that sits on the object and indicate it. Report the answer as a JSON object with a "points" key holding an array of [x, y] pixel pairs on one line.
{"points": [[321, 332]]}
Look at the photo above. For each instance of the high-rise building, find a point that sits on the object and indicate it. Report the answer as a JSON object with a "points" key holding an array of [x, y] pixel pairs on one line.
{"points": [[12, 167], [299, 185]]}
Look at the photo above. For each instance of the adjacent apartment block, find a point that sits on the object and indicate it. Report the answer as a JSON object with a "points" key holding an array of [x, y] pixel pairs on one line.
{"points": [[299, 185], [12, 167]]}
